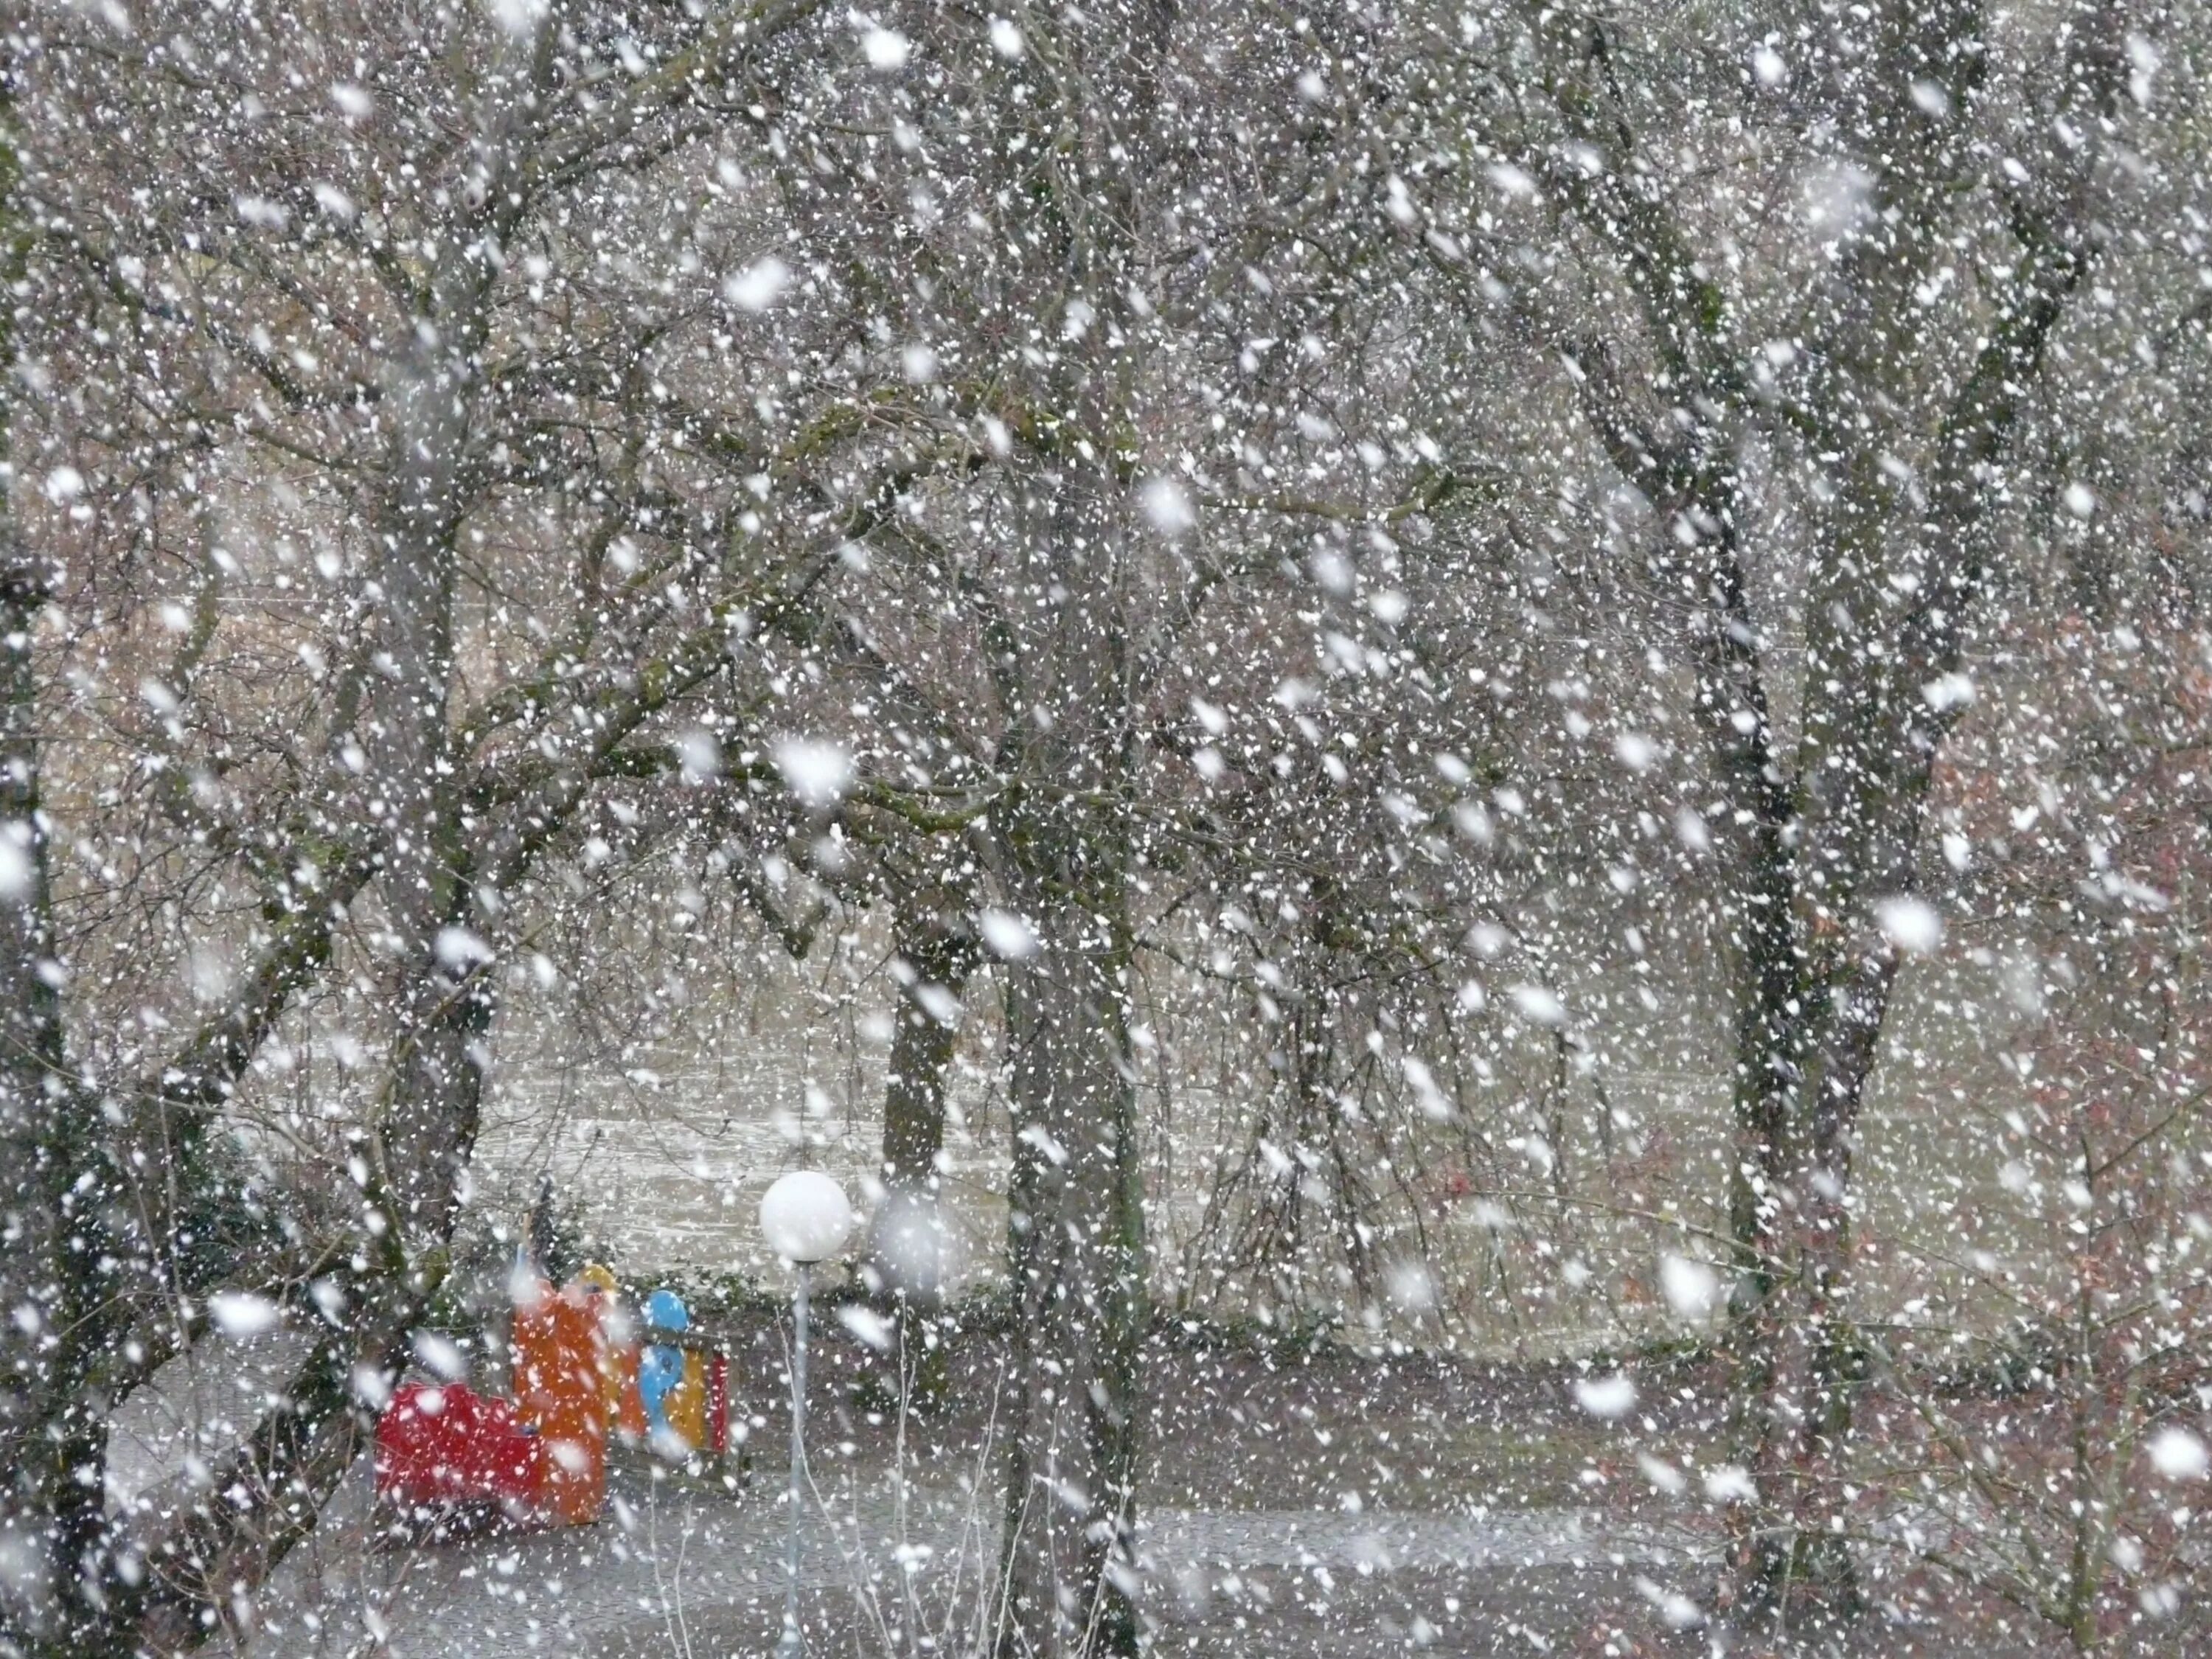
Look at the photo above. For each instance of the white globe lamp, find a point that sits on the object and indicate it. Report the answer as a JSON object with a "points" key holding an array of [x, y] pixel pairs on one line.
{"points": [[804, 1217]]}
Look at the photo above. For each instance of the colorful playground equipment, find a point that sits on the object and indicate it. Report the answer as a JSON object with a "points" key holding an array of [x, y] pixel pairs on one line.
{"points": [[562, 1363], [442, 1446], [542, 1458], [671, 1382]]}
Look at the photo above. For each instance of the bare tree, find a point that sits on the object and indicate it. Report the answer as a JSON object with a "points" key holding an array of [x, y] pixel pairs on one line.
{"points": [[1909, 459], [426, 789]]}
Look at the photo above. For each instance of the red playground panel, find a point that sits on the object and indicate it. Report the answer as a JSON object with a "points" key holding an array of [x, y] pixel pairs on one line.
{"points": [[718, 1404], [448, 1444]]}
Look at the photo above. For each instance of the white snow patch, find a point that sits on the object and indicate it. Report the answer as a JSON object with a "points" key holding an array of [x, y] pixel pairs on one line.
{"points": [[758, 285], [885, 49], [1676, 1610], [1606, 1397], [525, 1289], [915, 1244], [699, 753], [574, 1456], [1006, 935], [866, 1324], [459, 949], [1693, 1290], [208, 971], [2177, 1455], [940, 1004], [1948, 692], [259, 212], [1167, 508], [1410, 1285], [16, 867], [23, 1570], [1662, 1475], [1006, 40], [441, 1356], [239, 1313], [1730, 1483], [2145, 62], [1043, 1139], [519, 18], [1767, 64], [1910, 924], [1838, 198], [1435, 1105], [1538, 1006], [818, 773], [1513, 181], [1932, 100]]}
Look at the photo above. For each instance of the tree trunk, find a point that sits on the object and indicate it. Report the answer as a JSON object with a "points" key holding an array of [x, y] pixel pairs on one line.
{"points": [[50, 1430], [934, 954], [409, 788], [939, 955], [53, 1521], [1060, 848], [1077, 1245], [1795, 1341], [1832, 830]]}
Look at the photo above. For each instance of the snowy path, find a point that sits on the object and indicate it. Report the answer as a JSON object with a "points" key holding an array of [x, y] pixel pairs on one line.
{"points": [[639, 1577]]}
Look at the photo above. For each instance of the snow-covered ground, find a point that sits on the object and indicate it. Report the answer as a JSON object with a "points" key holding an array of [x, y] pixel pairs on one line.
{"points": [[655, 1569]]}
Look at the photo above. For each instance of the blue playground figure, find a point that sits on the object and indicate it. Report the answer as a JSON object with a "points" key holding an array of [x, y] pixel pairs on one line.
{"points": [[671, 1416]]}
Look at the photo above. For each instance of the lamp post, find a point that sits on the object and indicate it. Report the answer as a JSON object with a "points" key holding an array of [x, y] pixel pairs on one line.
{"points": [[805, 1218]]}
